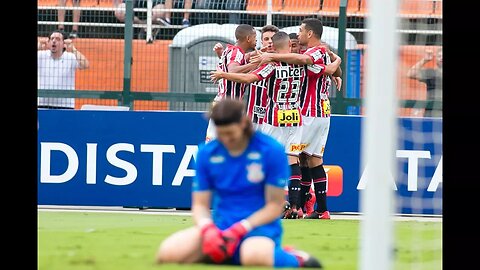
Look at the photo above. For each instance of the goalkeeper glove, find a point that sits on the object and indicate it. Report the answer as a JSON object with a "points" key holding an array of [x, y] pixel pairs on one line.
{"points": [[234, 234], [213, 245]]}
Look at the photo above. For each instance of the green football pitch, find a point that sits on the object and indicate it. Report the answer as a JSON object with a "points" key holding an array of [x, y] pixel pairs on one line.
{"points": [[117, 241]]}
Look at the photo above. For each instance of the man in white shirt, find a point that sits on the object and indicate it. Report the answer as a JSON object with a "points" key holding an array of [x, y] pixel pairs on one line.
{"points": [[57, 60]]}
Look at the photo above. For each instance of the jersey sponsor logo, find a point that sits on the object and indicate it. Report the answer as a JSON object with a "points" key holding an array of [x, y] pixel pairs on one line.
{"points": [[217, 159], [255, 173], [266, 70], [297, 147], [254, 155], [326, 106], [288, 117], [315, 68], [287, 72], [317, 55], [259, 110]]}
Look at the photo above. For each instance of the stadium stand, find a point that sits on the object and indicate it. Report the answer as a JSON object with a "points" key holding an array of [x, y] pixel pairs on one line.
{"points": [[103, 42]]}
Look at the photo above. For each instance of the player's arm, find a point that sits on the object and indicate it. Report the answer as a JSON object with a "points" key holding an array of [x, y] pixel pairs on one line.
{"points": [[236, 77], [218, 49], [213, 244], [291, 58], [338, 72], [334, 68], [235, 67]]}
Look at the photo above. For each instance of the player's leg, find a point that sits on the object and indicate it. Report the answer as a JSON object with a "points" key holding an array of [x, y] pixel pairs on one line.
{"points": [[284, 135], [315, 162], [181, 247], [263, 251], [306, 181]]}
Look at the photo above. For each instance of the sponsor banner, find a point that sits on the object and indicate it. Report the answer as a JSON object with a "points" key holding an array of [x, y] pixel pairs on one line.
{"points": [[146, 159]]}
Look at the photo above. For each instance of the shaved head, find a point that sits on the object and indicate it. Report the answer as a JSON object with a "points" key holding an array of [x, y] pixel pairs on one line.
{"points": [[281, 40], [243, 31]]}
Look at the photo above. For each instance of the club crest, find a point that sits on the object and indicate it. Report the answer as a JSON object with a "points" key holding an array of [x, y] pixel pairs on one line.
{"points": [[255, 173]]}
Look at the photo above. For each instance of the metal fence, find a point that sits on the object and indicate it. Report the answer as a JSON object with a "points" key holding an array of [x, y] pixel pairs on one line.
{"points": [[129, 46]]}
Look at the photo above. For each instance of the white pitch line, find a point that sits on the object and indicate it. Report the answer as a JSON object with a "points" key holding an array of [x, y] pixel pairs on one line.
{"points": [[173, 212]]}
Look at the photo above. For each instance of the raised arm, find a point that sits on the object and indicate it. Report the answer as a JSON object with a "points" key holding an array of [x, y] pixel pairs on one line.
{"points": [[81, 59], [415, 71]]}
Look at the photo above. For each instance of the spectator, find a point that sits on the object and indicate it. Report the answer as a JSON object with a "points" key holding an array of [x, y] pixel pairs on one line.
{"points": [[76, 17], [207, 4], [186, 15], [57, 61], [432, 77], [141, 17], [233, 18]]}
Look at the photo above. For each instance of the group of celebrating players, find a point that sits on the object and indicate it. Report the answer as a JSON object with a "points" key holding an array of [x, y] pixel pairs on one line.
{"points": [[288, 83], [238, 191]]}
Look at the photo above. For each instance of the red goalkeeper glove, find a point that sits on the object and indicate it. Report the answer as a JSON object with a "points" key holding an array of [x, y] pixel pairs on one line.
{"points": [[234, 234], [213, 245]]}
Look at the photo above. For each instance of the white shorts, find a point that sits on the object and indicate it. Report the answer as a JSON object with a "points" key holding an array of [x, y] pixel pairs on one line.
{"points": [[314, 135], [289, 137], [211, 131], [257, 126]]}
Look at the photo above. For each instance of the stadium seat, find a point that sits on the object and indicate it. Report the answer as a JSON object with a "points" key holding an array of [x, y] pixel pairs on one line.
{"points": [[261, 5], [301, 6], [413, 8], [408, 8], [334, 6]]}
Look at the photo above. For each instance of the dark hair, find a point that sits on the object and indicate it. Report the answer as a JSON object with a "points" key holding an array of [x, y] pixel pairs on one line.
{"points": [[230, 111], [243, 30], [280, 38], [64, 35], [293, 36], [269, 28], [315, 25]]}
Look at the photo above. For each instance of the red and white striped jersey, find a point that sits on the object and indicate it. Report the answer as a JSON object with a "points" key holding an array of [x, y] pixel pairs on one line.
{"points": [[284, 83], [314, 95], [230, 89], [257, 101]]}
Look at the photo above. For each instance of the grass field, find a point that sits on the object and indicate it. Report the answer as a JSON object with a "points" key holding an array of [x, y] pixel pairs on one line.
{"points": [[117, 241]]}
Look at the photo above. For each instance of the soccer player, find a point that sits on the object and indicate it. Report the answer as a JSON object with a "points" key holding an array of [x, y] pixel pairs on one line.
{"points": [[257, 99], [315, 103], [243, 173], [282, 119], [233, 60]]}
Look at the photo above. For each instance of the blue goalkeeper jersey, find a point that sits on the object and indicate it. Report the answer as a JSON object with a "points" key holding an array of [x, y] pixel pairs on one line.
{"points": [[238, 183]]}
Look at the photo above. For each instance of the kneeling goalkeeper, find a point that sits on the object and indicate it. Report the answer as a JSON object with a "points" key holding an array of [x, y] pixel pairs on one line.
{"points": [[243, 173]]}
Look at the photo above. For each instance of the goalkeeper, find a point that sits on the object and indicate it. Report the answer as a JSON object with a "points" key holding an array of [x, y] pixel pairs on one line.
{"points": [[243, 173]]}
